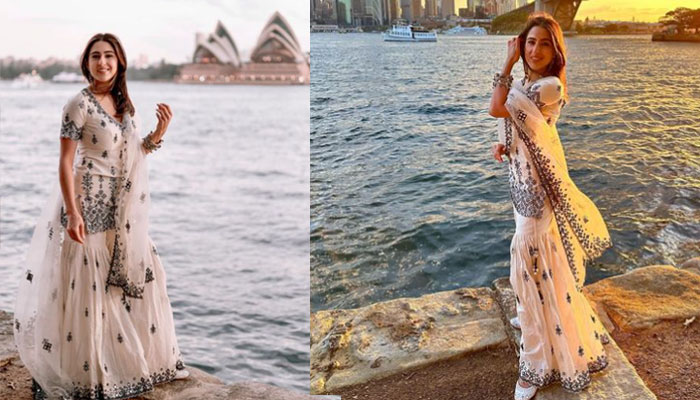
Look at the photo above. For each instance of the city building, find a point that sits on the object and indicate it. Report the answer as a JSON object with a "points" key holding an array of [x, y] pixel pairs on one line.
{"points": [[276, 58], [447, 8]]}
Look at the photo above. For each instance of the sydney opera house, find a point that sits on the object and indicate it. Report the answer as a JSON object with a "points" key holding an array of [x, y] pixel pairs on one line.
{"points": [[276, 58]]}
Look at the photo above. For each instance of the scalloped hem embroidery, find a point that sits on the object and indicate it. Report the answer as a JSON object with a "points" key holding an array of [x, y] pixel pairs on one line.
{"points": [[580, 381]]}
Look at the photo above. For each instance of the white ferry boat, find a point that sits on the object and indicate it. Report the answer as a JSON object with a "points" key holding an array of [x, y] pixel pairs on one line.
{"points": [[469, 31], [409, 33]]}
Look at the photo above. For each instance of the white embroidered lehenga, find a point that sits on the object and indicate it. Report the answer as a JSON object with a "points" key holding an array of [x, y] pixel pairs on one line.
{"points": [[94, 321], [558, 229]]}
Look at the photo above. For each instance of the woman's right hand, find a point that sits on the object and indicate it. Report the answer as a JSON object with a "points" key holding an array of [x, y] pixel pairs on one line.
{"points": [[76, 228], [498, 150], [513, 51]]}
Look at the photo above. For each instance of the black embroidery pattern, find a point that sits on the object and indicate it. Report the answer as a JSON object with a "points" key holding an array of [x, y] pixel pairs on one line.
{"points": [[70, 130], [563, 212], [113, 392], [149, 275], [527, 195], [46, 345], [574, 384], [117, 278], [102, 112]]}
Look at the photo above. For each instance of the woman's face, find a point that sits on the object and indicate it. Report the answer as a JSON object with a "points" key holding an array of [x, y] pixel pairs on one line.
{"points": [[539, 49], [102, 61]]}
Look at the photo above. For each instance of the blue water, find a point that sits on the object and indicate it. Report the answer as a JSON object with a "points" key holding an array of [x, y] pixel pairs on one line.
{"points": [[229, 214], [406, 199]]}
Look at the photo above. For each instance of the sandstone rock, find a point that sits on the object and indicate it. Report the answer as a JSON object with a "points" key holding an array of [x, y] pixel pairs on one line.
{"points": [[692, 265], [353, 346], [642, 297]]}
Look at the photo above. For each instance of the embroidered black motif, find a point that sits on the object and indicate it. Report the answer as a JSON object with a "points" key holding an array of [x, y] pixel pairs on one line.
{"points": [[563, 212], [525, 276], [98, 207], [86, 366], [568, 297], [149, 275], [153, 329], [117, 277], [30, 276], [17, 324], [94, 286], [574, 384], [527, 195], [558, 330], [120, 339], [592, 318], [94, 139], [69, 337], [580, 351], [521, 115], [104, 154], [72, 284], [70, 130], [46, 345], [86, 311]]}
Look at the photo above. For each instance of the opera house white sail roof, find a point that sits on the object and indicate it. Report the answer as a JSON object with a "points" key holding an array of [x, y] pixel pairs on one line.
{"points": [[277, 57], [218, 47]]}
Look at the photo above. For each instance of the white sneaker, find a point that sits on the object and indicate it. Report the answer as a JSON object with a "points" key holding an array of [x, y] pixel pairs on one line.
{"points": [[182, 374], [522, 393], [515, 322]]}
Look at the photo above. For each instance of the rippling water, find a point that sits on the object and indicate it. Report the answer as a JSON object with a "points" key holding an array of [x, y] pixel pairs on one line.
{"points": [[230, 212], [405, 199]]}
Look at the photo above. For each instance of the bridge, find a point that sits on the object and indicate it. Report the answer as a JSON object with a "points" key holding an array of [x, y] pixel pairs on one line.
{"points": [[563, 11]]}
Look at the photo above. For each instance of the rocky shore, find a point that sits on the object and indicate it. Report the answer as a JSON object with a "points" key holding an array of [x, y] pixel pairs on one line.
{"points": [[667, 37], [428, 347], [15, 381]]}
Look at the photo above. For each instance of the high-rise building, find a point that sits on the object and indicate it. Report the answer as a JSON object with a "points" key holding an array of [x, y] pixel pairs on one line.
{"points": [[392, 11], [373, 12], [447, 8], [406, 10], [416, 9], [431, 8], [344, 8]]}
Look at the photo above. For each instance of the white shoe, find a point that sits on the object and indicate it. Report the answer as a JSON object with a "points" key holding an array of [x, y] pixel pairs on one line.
{"points": [[522, 393], [515, 322], [182, 374]]}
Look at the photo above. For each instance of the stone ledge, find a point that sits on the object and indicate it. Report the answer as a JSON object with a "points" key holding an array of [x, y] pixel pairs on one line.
{"points": [[349, 347]]}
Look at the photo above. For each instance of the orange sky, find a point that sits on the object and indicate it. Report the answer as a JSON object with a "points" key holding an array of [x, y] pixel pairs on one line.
{"points": [[623, 10]]}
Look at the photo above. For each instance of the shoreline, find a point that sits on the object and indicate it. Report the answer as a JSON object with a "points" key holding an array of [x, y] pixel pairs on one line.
{"points": [[354, 349]]}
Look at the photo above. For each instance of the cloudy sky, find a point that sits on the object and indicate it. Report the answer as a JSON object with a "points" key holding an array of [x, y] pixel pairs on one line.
{"points": [[156, 28]]}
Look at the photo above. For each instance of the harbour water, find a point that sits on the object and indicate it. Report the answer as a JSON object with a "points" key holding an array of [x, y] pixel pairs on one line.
{"points": [[406, 198], [229, 214]]}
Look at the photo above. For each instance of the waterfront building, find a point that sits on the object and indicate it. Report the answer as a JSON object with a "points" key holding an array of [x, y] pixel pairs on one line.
{"points": [[277, 58], [447, 8], [406, 10], [416, 10], [431, 8]]}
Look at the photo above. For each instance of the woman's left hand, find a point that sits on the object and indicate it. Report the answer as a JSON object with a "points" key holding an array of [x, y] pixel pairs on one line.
{"points": [[164, 115]]}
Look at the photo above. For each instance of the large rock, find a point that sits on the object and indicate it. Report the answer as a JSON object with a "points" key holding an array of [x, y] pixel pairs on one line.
{"points": [[199, 385], [692, 265], [354, 346], [644, 296]]}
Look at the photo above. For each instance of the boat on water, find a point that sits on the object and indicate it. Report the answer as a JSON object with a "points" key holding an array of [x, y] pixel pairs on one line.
{"points": [[67, 77], [27, 81], [466, 31], [409, 33]]}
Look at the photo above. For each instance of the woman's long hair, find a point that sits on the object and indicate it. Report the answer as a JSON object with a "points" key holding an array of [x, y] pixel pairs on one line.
{"points": [[558, 65], [117, 86]]}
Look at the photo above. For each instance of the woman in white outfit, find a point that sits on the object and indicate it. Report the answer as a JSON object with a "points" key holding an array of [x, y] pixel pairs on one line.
{"points": [[92, 318], [558, 228]]}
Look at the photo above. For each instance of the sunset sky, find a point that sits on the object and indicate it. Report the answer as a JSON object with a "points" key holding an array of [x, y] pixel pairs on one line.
{"points": [[623, 10]]}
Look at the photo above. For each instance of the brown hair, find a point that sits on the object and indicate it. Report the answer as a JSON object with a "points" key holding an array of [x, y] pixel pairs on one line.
{"points": [[117, 87], [558, 65]]}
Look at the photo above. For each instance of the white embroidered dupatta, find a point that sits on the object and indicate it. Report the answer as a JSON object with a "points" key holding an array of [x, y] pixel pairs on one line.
{"points": [[581, 226]]}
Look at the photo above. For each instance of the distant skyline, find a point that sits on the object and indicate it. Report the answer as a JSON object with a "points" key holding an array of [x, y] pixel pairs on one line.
{"points": [[158, 29]]}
